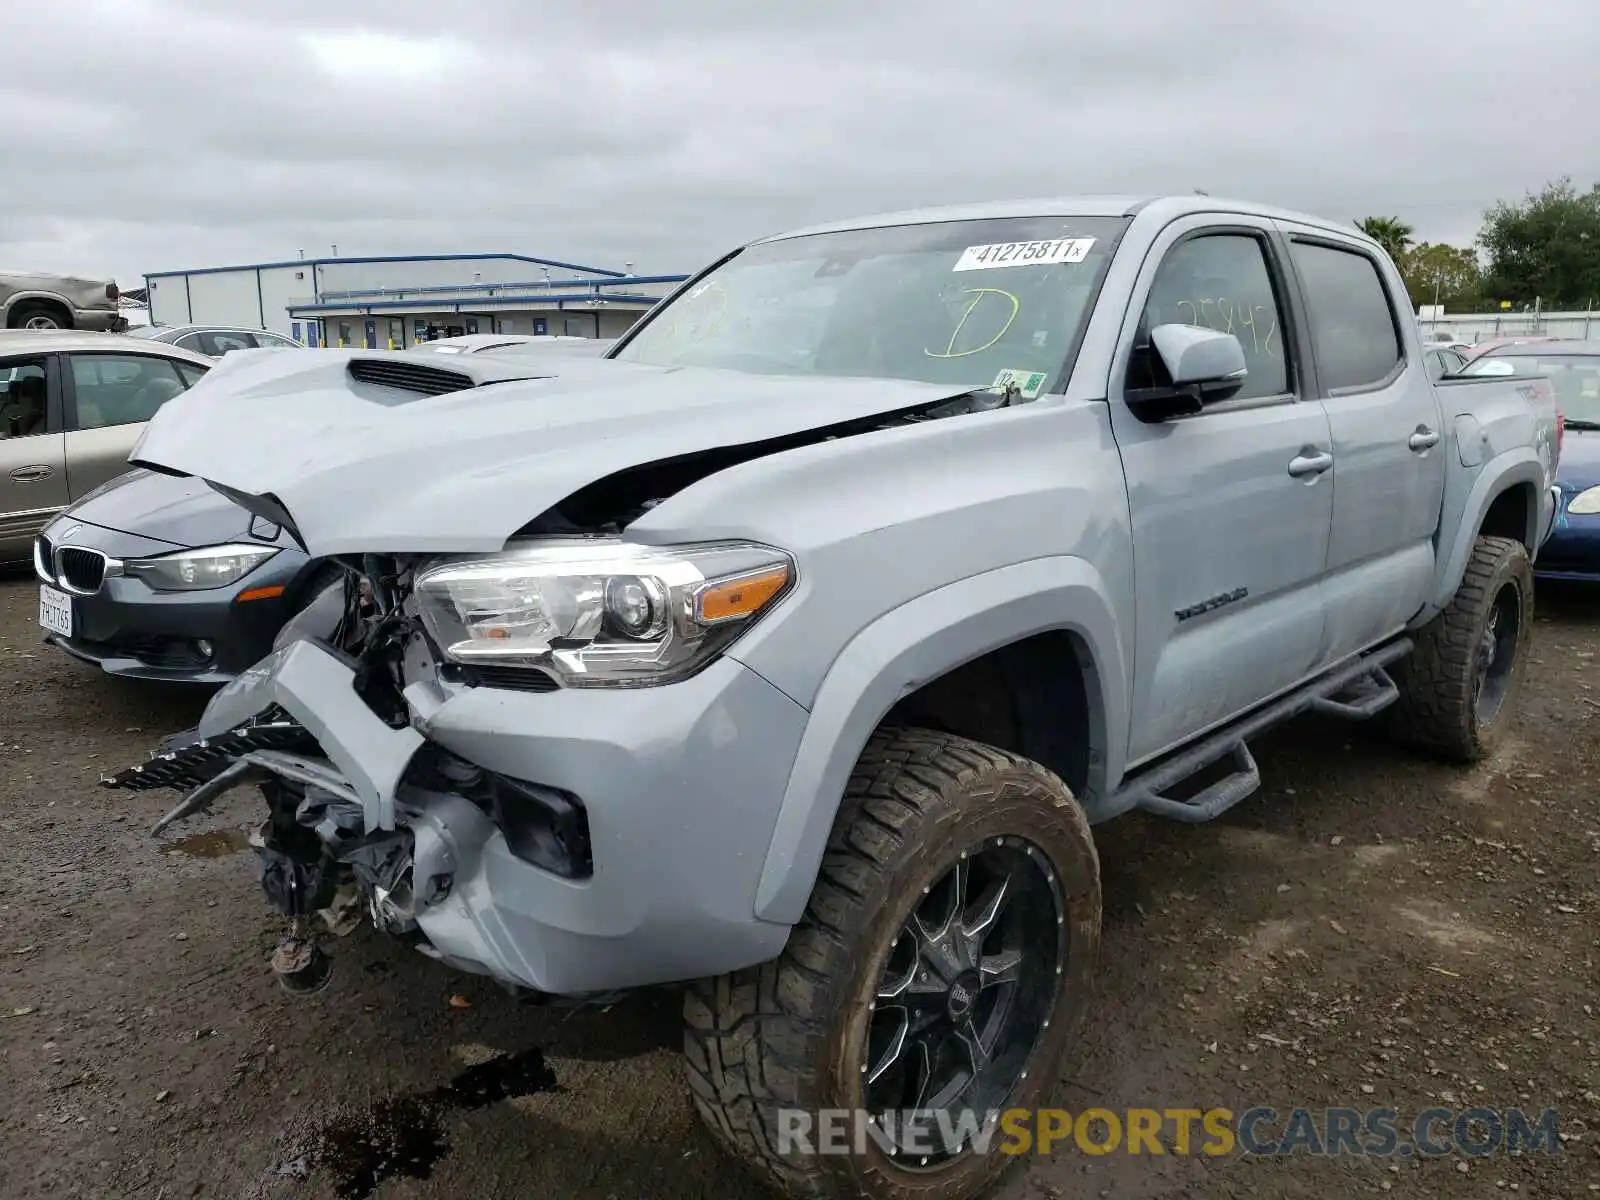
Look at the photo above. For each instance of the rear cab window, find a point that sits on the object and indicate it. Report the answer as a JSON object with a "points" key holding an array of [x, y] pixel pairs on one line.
{"points": [[1355, 333]]}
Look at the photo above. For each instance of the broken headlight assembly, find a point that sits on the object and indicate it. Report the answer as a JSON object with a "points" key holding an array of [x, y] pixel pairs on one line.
{"points": [[595, 613]]}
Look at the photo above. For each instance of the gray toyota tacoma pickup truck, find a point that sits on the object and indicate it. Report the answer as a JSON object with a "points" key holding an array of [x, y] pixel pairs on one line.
{"points": [[789, 652]]}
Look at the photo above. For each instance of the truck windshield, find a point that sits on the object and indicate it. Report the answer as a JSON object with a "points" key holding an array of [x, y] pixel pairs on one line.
{"points": [[1574, 378], [966, 303]]}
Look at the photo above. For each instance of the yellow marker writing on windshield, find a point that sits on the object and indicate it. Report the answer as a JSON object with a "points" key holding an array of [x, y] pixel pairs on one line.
{"points": [[977, 295]]}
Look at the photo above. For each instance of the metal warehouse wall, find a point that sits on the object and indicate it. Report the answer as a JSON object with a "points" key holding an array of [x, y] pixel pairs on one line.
{"points": [[169, 302], [281, 287], [224, 298]]}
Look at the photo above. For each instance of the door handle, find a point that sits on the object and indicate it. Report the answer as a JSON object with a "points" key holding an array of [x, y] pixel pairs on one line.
{"points": [[1423, 439], [33, 474], [1309, 462]]}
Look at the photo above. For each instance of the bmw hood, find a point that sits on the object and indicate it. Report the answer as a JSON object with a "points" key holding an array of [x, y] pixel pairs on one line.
{"points": [[179, 511], [359, 457]]}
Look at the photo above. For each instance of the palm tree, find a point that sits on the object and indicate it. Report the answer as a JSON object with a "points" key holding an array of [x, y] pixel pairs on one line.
{"points": [[1393, 234]]}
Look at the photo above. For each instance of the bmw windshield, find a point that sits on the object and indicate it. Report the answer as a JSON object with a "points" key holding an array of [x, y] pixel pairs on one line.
{"points": [[973, 304]]}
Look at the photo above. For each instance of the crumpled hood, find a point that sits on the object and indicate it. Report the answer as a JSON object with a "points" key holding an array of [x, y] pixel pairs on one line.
{"points": [[365, 468]]}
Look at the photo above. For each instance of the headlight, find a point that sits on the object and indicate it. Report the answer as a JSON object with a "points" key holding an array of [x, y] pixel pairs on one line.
{"points": [[597, 614], [196, 570], [1586, 503]]}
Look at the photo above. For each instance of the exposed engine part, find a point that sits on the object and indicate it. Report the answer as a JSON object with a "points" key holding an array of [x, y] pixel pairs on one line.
{"points": [[299, 964], [344, 912], [383, 866], [294, 884], [337, 820]]}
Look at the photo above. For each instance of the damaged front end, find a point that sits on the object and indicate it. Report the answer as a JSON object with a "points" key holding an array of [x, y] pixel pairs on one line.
{"points": [[366, 820]]}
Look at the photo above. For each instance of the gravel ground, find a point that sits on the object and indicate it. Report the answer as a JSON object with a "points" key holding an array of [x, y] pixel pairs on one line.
{"points": [[1369, 930]]}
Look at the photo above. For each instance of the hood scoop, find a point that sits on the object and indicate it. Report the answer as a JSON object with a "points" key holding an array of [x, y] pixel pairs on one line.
{"points": [[409, 376]]}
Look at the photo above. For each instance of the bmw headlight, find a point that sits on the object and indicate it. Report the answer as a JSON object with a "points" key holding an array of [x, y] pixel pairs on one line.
{"points": [[197, 570], [596, 614], [1586, 503]]}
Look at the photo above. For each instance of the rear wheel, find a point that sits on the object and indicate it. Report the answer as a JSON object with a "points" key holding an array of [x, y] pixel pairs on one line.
{"points": [[1458, 688], [937, 976], [34, 315]]}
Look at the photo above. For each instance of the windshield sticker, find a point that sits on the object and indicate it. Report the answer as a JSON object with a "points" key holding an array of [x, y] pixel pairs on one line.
{"points": [[1024, 254], [1028, 384]]}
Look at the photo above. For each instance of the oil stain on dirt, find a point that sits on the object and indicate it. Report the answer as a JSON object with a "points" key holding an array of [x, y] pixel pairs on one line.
{"points": [[404, 1137], [214, 843]]}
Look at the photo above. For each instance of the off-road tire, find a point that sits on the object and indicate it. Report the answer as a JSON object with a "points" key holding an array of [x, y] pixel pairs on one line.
{"points": [[787, 1034], [1437, 710], [24, 312]]}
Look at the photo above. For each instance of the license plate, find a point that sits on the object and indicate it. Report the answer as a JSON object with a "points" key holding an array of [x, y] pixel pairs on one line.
{"points": [[55, 611]]}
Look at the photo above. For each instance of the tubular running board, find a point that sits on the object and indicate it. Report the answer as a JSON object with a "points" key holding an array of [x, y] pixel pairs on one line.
{"points": [[1355, 691]]}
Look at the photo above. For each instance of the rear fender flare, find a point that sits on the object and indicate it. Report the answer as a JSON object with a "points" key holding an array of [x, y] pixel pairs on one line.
{"points": [[1507, 470], [911, 645]]}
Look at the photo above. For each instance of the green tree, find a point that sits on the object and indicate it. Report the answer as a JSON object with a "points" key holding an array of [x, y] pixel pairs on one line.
{"points": [[1393, 234], [1546, 248], [1436, 273]]}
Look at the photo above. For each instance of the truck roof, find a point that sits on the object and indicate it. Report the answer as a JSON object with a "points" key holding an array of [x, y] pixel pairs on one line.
{"points": [[1070, 206]]}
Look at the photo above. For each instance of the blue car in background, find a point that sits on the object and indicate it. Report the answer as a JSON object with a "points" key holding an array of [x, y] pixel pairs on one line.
{"points": [[1573, 368]]}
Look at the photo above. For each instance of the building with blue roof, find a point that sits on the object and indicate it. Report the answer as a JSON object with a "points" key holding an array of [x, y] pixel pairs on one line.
{"points": [[397, 301]]}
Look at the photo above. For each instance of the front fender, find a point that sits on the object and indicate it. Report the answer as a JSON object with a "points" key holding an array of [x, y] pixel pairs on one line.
{"points": [[1518, 467], [906, 648]]}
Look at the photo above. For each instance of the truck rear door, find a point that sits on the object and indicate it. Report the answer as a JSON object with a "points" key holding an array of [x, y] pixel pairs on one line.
{"points": [[1389, 443]]}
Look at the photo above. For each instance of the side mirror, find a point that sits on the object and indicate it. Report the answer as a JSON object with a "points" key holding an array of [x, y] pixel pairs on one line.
{"points": [[1201, 366]]}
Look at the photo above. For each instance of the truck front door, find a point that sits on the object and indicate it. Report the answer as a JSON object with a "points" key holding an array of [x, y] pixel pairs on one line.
{"points": [[1231, 507], [1388, 441]]}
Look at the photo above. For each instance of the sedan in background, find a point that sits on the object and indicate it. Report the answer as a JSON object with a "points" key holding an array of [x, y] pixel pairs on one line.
{"points": [[196, 595], [71, 407], [215, 340], [1573, 368], [1442, 360], [1479, 349]]}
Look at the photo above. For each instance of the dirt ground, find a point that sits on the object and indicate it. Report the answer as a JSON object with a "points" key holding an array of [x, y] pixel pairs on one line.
{"points": [[1369, 930]]}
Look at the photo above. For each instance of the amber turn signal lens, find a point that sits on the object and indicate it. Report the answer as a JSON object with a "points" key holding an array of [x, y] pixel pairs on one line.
{"points": [[741, 597], [260, 593]]}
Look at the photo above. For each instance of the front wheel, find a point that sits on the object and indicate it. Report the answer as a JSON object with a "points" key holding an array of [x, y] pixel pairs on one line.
{"points": [[935, 981], [1458, 687]]}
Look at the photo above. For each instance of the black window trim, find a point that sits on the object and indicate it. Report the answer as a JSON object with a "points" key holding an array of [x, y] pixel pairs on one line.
{"points": [[1399, 368], [69, 386], [54, 421], [1280, 282]]}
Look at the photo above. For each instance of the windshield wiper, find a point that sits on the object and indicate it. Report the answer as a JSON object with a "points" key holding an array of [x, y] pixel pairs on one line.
{"points": [[1580, 423]]}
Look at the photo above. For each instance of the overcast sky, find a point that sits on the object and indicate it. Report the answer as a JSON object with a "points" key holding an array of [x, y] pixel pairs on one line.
{"points": [[147, 135]]}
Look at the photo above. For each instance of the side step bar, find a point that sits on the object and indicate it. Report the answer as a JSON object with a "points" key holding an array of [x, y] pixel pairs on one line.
{"points": [[1356, 691]]}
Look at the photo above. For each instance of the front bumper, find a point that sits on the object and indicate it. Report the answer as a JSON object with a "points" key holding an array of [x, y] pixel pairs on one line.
{"points": [[680, 786], [1572, 551], [129, 630]]}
